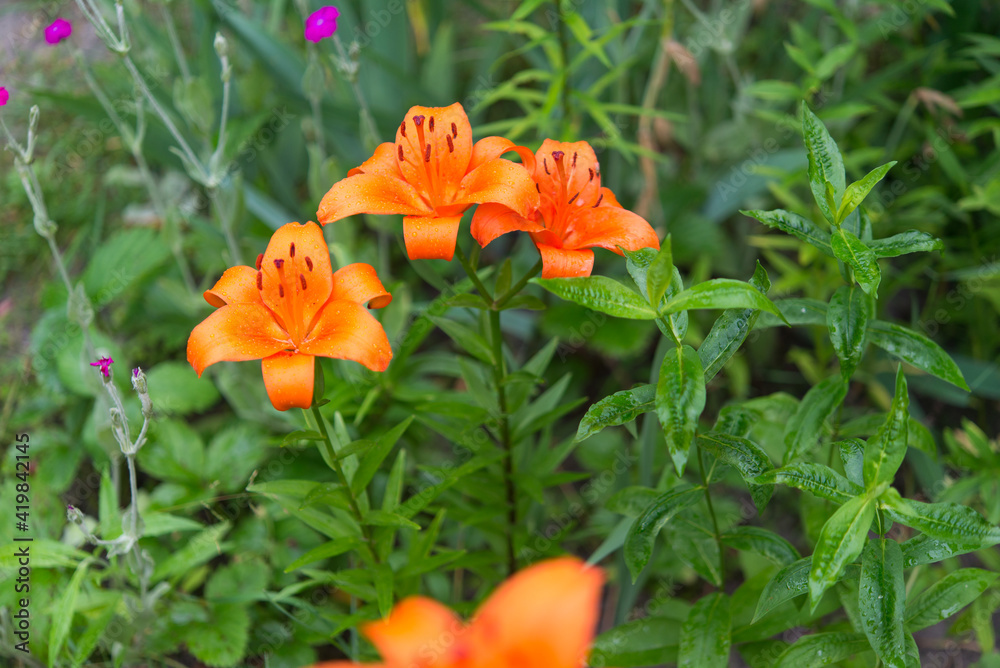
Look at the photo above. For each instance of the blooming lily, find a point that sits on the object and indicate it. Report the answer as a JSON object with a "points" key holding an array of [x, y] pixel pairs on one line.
{"points": [[431, 175], [543, 617], [288, 310], [58, 30], [575, 214], [321, 24]]}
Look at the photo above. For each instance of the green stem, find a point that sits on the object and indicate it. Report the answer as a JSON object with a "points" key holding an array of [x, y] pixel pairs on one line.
{"points": [[500, 375], [368, 127], [711, 512], [470, 270], [175, 42], [517, 287]]}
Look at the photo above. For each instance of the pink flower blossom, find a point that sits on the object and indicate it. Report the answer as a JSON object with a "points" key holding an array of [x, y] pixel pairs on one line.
{"points": [[4, 96], [321, 24], [105, 364], [58, 31]]}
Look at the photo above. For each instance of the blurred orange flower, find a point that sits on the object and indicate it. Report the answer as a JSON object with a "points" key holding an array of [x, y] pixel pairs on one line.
{"points": [[288, 310], [431, 175], [575, 213], [542, 617]]}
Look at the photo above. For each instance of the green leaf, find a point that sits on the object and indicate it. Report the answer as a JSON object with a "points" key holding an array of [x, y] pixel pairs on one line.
{"points": [[840, 542], [818, 479], [329, 549], [744, 456], [642, 642], [720, 293], [796, 225], [121, 260], [222, 641], [766, 543], [619, 408], [922, 549], [826, 166], [822, 649], [847, 318], [853, 252], [382, 518], [730, 330], [795, 312], [371, 461], [705, 634], [300, 435], [467, 338], [195, 552], [910, 241], [240, 581], [804, 428], [383, 576], [660, 274], [885, 450], [852, 454], [87, 642], [62, 612], [880, 600], [944, 521], [107, 503], [856, 193], [600, 293], [792, 581], [642, 534], [916, 349], [680, 399], [946, 597], [175, 388], [631, 501]]}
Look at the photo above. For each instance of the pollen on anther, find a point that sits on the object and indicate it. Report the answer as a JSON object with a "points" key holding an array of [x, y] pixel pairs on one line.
{"points": [[427, 153], [451, 144], [574, 158], [400, 147], [260, 258], [454, 130], [279, 263], [309, 263], [571, 199], [402, 128], [302, 278], [418, 120], [291, 249], [260, 280], [557, 155], [430, 124], [281, 290], [599, 200]]}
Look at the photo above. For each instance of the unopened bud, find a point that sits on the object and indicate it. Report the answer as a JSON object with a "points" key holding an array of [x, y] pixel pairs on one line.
{"points": [[139, 385], [74, 515], [221, 45]]}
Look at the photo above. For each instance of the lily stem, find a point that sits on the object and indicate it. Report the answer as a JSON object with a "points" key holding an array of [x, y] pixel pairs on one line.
{"points": [[711, 512], [480, 288], [500, 376], [517, 287]]}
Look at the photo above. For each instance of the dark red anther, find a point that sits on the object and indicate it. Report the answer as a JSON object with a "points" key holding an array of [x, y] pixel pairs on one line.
{"points": [[291, 249], [591, 173], [281, 290], [599, 200], [574, 158], [418, 120], [400, 153], [402, 128], [427, 154], [538, 188], [430, 124], [573, 198], [454, 130], [557, 155], [545, 164], [302, 279], [309, 263], [279, 263], [260, 280], [260, 258], [451, 144]]}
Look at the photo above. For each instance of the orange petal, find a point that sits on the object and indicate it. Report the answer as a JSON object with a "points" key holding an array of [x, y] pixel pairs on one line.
{"points": [[419, 633], [430, 238], [371, 193], [491, 148], [542, 617], [500, 181], [238, 285], [434, 146], [564, 262], [297, 277], [359, 283], [235, 333], [288, 378], [572, 180], [347, 331], [493, 220], [383, 162], [347, 664], [608, 198], [610, 227]]}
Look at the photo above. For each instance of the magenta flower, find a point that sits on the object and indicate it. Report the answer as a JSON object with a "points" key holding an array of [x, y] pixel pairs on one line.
{"points": [[105, 364], [321, 24], [4, 96], [58, 31]]}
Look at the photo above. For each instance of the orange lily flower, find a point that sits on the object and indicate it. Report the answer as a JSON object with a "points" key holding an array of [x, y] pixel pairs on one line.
{"points": [[542, 617], [431, 175], [288, 310], [575, 213]]}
